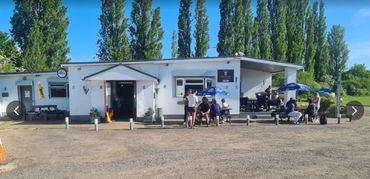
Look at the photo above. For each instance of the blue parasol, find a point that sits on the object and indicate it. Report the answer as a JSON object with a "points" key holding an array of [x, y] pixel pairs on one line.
{"points": [[214, 90], [294, 87]]}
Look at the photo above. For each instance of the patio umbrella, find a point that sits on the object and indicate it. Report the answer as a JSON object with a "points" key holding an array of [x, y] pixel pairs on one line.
{"points": [[214, 90], [294, 87]]}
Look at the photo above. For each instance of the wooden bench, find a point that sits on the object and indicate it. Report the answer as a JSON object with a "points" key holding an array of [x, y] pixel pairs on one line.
{"points": [[45, 112]]}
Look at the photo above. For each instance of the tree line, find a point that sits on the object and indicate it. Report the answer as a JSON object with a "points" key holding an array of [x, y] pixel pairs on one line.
{"points": [[281, 30]]}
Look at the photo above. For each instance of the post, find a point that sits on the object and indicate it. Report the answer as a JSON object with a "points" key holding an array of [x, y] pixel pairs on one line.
{"points": [[276, 120], [218, 121], [67, 123], [338, 99], [162, 121], [96, 122], [350, 118], [305, 118], [247, 119], [131, 124]]}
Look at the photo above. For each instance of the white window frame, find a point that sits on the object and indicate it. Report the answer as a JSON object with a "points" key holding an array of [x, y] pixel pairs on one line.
{"points": [[52, 85], [184, 83]]}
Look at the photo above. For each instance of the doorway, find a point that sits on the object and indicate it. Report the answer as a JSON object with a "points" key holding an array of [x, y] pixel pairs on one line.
{"points": [[123, 100], [25, 94]]}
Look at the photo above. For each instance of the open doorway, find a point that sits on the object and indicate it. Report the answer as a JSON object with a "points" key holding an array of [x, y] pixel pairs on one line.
{"points": [[122, 99]]}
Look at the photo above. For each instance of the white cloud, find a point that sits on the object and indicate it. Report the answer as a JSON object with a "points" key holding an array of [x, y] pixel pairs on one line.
{"points": [[361, 17]]}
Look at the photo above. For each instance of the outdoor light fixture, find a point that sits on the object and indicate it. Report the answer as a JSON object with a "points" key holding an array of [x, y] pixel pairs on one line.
{"points": [[228, 62], [167, 64]]}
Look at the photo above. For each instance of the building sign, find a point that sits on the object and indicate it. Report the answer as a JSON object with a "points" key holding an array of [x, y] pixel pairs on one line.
{"points": [[225, 76]]}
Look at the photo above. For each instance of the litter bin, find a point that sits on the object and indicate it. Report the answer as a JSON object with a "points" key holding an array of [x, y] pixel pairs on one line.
{"points": [[159, 114]]}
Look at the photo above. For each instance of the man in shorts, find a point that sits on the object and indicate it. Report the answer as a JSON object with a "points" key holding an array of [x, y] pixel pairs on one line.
{"points": [[192, 105]]}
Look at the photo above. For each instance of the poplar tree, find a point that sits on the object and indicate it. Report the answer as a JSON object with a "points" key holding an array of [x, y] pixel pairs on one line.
{"points": [[53, 24], [201, 29], [225, 46], [113, 40], [239, 25], [278, 29], [263, 30], [145, 30], [34, 54], [9, 53], [338, 51], [255, 41], [184, 29], [174, 45], [322, 56], [248, 28], [310, 39], [291, 22]]}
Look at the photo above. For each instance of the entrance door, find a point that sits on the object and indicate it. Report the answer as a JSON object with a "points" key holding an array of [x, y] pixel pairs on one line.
{"points": [[124, 100], [26, 96]]}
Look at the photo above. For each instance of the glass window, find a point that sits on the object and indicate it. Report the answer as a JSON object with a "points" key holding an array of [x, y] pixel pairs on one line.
{"points": [[198, 84], [58, 90]]}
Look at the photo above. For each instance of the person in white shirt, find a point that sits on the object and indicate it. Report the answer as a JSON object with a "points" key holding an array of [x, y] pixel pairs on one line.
{"points": [[192, 106]]}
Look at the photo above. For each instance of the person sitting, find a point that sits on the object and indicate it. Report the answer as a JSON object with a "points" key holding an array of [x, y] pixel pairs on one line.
{"points": [[225, 110], [215, 110], [204, 110], [291, 110], [310, 110]]}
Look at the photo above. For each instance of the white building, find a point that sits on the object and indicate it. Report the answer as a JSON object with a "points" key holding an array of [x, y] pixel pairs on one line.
{"points": [[24, 87], [130, 88]]}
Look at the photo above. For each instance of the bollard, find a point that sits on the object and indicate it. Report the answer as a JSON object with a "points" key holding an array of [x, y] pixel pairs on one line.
{"points": [[276, 121], [131, 124], [67, 123], [247, 120], [305, 118], [218, 121], [339, 116], [162, 121], [96, 122], [350, 118]]}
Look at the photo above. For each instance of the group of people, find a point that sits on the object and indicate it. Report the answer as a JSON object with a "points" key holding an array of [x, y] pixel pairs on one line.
{"points": [[204, 109], [268, 98], [311, 110]]}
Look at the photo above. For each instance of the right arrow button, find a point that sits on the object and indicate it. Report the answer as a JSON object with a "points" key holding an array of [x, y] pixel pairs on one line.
{"points": [[355, 110]]}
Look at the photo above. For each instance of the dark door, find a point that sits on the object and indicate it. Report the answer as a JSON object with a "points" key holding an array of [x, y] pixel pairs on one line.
{"points": [[26, 96], [124, 100]]}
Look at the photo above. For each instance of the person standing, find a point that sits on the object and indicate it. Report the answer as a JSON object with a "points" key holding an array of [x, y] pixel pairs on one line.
{"points": [[192, 105], [316, 101], [186, 103], [268, 98]]}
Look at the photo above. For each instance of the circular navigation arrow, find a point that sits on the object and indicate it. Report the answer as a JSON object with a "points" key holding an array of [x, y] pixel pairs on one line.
{"points": [[16, 110], [355, 109]]}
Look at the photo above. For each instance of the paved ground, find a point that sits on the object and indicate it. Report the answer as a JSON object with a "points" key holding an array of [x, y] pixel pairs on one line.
{"points": [[260, 150]]}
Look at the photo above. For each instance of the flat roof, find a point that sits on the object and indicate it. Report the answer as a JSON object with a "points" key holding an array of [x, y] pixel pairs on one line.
{"points": [[28, 73], [272, 66]]}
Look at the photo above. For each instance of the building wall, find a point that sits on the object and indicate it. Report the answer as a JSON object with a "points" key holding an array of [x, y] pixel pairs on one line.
{"points": [[8, 84], [253, 81]]}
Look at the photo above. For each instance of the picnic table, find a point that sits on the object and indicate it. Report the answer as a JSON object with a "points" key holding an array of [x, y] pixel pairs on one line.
{"points": [[45, 112]]}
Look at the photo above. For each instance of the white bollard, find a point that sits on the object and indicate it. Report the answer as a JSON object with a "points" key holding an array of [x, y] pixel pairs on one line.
{"points": [[96, 122], [67, 123], [305, 118], [131, 124], [217, 121], [248, 119], [162, 121]]}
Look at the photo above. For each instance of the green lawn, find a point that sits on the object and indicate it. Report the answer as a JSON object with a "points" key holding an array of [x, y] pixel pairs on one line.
{"points": [[365, 100]]}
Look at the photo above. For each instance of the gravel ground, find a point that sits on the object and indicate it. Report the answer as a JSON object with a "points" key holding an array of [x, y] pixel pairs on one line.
{"points": [[261, 150]]}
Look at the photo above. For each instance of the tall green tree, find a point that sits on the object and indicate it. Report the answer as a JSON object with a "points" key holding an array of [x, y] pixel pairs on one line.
{"points": [[155, 36], [225, 46], [201, 29], [51, 16], [174, 48], [113, 41], [338, 51], [322, 53], [278, 29], [239, 25], [248, 27], [184, 29], [145, 30], [34, 54], [310, 39], [254, 52], [9, 51], [263, 30]]}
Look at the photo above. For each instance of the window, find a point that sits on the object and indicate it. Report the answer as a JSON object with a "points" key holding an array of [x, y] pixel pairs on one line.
{"points": [[198, 84], [58, 90]]}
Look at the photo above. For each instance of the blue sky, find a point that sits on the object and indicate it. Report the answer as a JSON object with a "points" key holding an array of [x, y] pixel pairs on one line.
{"points": [[353, 15]]}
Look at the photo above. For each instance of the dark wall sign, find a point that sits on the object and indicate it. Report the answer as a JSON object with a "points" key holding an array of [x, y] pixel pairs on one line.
{"points": [[5, 94], [225, 76]]}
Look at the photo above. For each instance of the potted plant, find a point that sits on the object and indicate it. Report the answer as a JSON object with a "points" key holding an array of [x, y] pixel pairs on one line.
{"points": [[149, 115], [94, 114]]}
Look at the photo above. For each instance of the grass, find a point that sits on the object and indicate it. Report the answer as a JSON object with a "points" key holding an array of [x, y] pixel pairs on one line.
{"points": [[365, 100]]}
